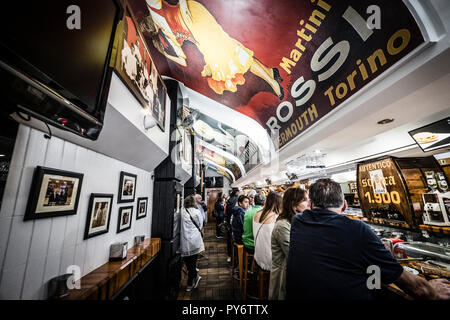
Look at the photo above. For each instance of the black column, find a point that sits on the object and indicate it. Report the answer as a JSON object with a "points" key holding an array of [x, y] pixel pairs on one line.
{"points": [[167, 199], [189, 186]]}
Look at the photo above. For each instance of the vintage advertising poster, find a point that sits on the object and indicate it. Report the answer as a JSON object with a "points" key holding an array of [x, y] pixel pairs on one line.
{"points": [[285, 64], [137, 71], [378, 182]]}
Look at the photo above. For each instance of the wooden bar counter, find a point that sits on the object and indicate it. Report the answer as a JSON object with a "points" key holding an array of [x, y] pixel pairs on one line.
{"points": [[108, 280]]}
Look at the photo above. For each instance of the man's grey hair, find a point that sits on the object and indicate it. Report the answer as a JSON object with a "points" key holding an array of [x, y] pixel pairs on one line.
{"points": [[251, 193], [326, 193], [260, 199]]}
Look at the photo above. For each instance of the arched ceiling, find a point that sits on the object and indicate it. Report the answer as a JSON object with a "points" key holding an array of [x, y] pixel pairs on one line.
{"points": [[285, 64]]}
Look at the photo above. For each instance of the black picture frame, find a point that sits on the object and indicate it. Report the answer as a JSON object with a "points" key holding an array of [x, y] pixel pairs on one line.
{"points": [[37, 208], [161, 96], [139, 200], [121, 198], [91, 209], [120, 217]]}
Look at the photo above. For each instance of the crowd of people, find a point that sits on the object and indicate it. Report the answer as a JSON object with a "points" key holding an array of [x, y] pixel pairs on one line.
{"points": [[311, 249]]}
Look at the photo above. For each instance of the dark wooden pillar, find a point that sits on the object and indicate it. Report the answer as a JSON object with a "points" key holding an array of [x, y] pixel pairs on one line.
{"points": [[167, 200], [189, 186]]}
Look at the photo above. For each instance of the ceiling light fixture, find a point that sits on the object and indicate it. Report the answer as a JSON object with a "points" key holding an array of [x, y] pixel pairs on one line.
{"points": [[385, 121]]}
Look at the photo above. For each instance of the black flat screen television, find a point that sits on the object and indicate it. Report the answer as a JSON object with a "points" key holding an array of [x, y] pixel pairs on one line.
{"points": [[213, 182], [433, 136], [53, 70]]}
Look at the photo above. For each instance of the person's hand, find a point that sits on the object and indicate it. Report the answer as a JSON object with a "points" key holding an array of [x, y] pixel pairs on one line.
{"points": [[442, 288]]}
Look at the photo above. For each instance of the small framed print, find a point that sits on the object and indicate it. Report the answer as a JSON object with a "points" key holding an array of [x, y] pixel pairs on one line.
{"points": [[125, 217], [127, 187], [53, 193], [159, 103], [99, 215], [142, 205]]}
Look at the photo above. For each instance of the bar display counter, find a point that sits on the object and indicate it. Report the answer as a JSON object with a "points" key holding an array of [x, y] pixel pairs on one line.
{"points": [[400, 198]]}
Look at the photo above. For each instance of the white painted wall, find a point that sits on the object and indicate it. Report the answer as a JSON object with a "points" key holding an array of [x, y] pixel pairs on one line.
{"points": [[32, 252]]}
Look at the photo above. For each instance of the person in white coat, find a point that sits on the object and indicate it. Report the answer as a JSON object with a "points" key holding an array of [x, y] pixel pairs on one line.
{"points": [[191, 243]]}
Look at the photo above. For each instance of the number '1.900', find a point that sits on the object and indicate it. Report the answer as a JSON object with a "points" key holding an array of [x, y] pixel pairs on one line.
{"points": [[392, 197]]}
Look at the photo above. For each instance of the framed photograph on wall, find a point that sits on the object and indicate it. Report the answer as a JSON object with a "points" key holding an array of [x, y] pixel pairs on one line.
{"points": [[53, 193], [127, 187], [136, 69], [142, 205], [99, 215], [125, 217], [159, 105]]}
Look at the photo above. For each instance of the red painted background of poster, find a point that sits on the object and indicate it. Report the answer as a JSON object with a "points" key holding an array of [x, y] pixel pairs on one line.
{"points": [[269, 29]]}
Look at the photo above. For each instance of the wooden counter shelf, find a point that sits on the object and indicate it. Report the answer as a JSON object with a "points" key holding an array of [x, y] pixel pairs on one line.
{"points": [[391, 224], [382, 223], [108, 280], [435, 229], [357, 218]]}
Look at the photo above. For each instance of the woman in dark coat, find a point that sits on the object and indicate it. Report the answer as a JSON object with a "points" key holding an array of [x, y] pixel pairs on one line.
{"points": [[219, 214]]}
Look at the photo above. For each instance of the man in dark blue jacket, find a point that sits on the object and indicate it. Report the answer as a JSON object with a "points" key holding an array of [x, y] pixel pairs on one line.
{"points": [[219, 214], [334, 257], [237, 225], [231, 203]]}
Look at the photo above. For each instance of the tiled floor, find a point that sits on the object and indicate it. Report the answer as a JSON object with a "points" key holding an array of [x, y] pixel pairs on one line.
{"points": [[216, 282]]}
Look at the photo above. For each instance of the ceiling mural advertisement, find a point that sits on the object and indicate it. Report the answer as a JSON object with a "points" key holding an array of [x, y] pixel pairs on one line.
{"points": [[285, 64]]}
